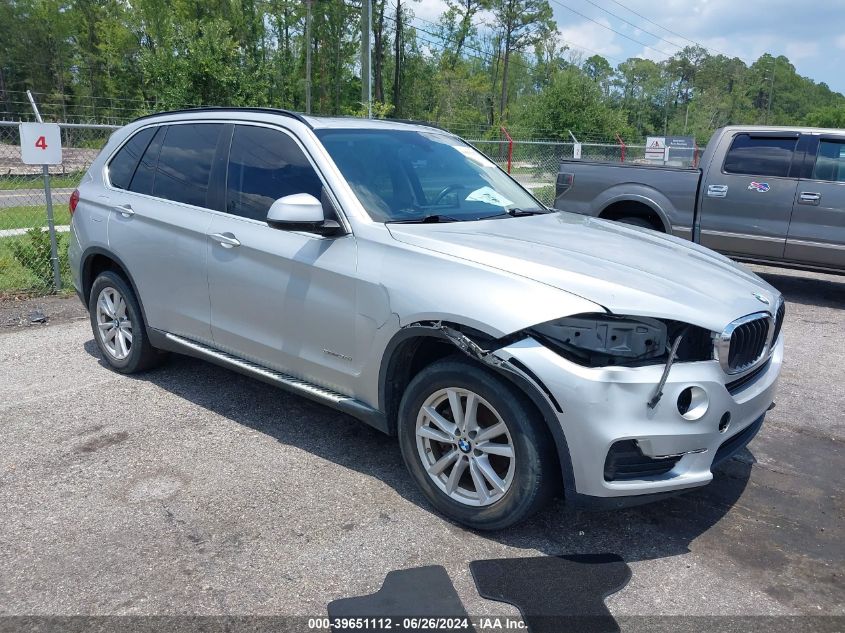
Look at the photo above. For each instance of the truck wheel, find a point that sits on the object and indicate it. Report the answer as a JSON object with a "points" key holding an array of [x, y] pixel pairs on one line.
{"points": [[638, 221], [474, 445], [118, 325]]}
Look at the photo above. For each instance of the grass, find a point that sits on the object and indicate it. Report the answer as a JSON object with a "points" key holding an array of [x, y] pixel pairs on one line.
{"points": [[36, 181], [16, 279], [29, 216]]}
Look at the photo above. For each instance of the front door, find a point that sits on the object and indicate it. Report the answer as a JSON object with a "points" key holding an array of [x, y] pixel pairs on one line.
{"points": [[817, 231], [746, 204], [283, 299]]}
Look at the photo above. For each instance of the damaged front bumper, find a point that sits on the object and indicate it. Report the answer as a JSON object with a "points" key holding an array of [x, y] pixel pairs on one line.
{"points": [[624, 452]]}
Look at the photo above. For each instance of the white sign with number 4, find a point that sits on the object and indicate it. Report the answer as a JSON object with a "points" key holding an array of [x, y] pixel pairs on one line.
{"points": [[41, 144]]}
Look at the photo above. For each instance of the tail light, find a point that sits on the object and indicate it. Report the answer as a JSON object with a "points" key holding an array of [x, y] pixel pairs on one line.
{"points": [[564, 183], [74, 200]]}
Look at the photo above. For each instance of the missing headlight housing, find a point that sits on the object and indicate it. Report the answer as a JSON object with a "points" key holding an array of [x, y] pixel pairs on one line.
{"points": [[600, 340]]}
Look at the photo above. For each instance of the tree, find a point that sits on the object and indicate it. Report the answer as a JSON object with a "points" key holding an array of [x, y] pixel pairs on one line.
{"points": [[521, 24]]}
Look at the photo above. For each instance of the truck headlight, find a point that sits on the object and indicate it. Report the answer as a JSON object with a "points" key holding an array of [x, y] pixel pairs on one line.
{"points": [[600, 340]]}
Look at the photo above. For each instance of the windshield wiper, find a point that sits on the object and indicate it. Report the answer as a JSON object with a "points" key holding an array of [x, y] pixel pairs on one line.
{"points": [[426, 219], [518, 213]]}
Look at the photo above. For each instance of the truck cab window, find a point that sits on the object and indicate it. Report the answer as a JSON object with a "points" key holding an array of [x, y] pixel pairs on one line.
{"points": [[760, 155], [830, 161]]}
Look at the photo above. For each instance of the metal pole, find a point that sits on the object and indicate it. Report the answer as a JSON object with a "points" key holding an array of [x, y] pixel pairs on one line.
{"points": [[51, 226], [366, 71], [771, 90], [308, 56]]}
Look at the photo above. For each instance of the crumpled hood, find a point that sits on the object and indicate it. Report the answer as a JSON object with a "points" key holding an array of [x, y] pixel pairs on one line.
{"points": [[623, 268]]}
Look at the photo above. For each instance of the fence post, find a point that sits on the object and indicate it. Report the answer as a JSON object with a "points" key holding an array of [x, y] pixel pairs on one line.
{"points": [[510, 147], [622, 145], [51, 225]]}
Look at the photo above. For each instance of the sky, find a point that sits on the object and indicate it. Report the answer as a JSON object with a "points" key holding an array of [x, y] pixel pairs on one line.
{"points": [[810, 33]]}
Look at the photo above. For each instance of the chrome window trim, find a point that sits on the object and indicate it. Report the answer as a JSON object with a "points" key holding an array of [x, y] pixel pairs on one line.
{"points": [[341, 213]]}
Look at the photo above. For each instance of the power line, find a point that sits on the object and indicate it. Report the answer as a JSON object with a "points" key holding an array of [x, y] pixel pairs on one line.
{"points": [[467, 46], [671, 32], [604, 26]]}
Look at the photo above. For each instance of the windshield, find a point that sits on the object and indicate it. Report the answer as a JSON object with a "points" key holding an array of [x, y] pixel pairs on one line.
{"points": [[407, 175]]}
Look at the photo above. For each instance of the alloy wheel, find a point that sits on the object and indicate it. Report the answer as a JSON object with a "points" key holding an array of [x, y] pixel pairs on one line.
{"points": [[113, 323], [465, 447]]}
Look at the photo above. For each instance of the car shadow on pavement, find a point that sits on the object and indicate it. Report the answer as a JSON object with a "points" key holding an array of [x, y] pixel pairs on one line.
{"points": [[661, 529], [827, 291]]}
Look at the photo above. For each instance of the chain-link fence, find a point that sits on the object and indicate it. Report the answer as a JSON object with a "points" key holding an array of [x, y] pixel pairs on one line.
{"points": [[25, 255]]}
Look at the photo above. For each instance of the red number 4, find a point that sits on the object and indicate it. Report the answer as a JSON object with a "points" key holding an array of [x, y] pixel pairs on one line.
{"points": [[41, 143]]}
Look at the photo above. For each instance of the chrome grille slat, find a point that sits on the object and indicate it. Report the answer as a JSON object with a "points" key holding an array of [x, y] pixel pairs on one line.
{"points": [[745, 342]]}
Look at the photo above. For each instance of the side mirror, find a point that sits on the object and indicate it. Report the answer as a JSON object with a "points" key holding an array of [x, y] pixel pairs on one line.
{"points": [[301, 212]]}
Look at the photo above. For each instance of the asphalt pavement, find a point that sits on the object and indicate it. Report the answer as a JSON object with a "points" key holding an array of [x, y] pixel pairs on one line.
{"points": [[193, 490]]}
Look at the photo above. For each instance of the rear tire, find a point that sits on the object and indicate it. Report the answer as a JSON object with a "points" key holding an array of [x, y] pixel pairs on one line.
{"points": [[475, 445], [118, 325]]}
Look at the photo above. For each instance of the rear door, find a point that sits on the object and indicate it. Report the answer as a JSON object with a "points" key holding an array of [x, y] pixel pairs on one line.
{"points": [[817, 231], [282, 298], [158, 227], [747, 201]]}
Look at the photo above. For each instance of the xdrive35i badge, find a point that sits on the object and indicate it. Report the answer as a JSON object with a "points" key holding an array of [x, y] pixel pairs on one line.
{"points": [[760, 298]]}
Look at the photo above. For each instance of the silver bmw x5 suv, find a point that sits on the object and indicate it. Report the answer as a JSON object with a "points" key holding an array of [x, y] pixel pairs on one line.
{"points": [[393, 272]]}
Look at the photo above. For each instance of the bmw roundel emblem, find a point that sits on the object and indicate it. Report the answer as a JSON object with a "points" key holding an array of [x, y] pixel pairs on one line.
{"points": [[760, 298], [464, 446]]}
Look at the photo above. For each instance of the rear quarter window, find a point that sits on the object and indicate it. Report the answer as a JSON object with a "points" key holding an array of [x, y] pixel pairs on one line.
{"points": [[760, 155], [122, 166]]}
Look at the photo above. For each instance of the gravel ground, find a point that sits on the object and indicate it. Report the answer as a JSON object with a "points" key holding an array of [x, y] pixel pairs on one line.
{"points": [[193, 490]]}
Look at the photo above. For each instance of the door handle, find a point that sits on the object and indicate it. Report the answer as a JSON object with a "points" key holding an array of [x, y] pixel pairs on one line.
{"points": [[226, 240], [717, 191], [125, 210], [809, 197]]}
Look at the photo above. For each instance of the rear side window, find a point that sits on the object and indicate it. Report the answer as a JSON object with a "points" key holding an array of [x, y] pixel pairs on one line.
{"points": [[830, 161], [142, 181], [265, 165], [123, 165], [760, 155], [184, 164]]}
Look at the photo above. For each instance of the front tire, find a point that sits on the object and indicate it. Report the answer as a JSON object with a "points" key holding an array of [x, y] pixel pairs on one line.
{"points": [[118, 325], [475, 445]]}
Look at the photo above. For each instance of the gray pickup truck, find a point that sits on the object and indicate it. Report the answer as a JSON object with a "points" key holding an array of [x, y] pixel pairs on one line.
{"points": [[762, 194]]}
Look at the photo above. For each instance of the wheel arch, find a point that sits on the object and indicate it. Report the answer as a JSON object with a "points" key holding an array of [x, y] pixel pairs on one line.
{"points": [[417, 345], [95, 260], [643, 200]]}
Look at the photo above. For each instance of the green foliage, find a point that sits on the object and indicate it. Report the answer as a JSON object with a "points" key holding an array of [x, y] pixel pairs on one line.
{"points": [[830, 116], [483, 63], [574, 102], [33, 254]]}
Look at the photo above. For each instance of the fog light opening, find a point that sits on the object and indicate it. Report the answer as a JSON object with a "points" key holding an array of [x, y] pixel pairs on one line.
{"points": [[693, 403], [725, 422]]}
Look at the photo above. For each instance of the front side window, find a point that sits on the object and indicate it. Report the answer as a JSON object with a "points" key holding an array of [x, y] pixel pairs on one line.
{"points": [[265, 165], [408, 175], [830, 161], [184, 163], [760, 155], [123, 165]]}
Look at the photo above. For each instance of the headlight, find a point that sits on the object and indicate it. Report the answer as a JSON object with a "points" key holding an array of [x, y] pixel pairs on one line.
{"points": [[599, 340]]}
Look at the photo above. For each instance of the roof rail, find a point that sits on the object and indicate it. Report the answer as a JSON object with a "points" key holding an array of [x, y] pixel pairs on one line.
{"points": [[279, 111]]}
